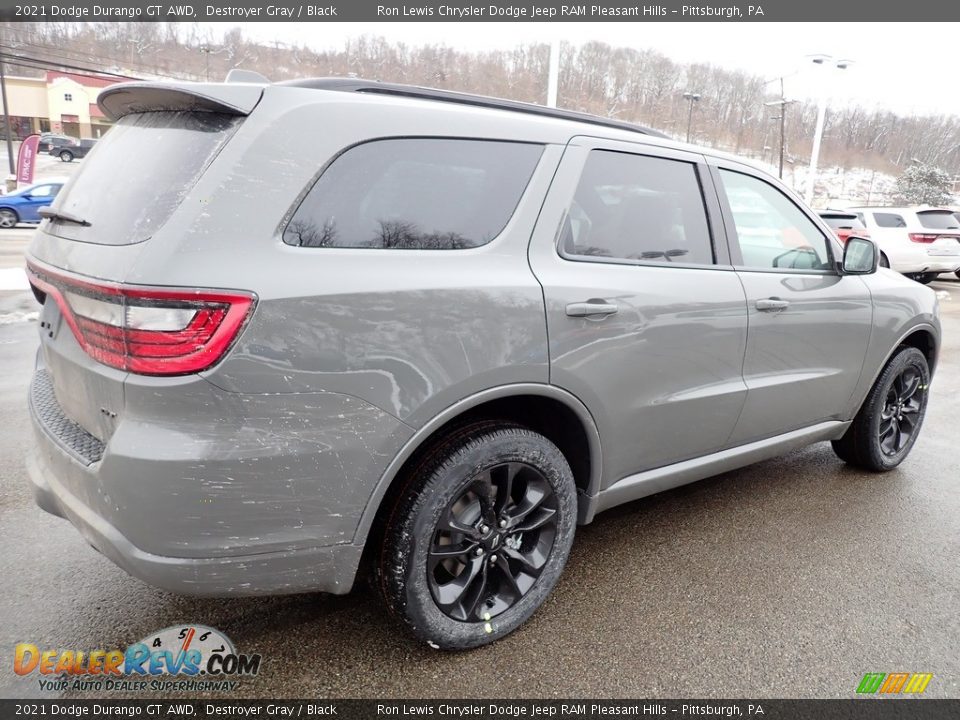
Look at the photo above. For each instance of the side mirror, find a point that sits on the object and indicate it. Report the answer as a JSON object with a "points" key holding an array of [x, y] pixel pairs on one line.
{"points": [[860, 256]]}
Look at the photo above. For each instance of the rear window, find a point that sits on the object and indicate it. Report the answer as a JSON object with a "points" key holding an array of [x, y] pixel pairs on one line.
{"points": [[136, 176], [843, 222], [938, 220], [415, 194]]}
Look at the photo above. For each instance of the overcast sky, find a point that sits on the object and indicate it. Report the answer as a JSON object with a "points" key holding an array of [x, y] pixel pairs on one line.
{"points": [[905, 67]]}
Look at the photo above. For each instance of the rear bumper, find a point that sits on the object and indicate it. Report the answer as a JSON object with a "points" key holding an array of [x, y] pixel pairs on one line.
{"points": [[328, 569], [917, 260], [206, 507]]}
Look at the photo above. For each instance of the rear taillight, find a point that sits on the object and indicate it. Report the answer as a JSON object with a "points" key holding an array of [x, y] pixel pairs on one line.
{"points": [[147, 330], [923, 237]]}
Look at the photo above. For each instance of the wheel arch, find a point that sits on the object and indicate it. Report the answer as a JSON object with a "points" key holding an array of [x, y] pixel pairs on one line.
{"points": [[543, 408], [923, 339]]}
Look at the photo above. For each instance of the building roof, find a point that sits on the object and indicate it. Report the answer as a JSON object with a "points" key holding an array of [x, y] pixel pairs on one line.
{"points": [[92, 81]]}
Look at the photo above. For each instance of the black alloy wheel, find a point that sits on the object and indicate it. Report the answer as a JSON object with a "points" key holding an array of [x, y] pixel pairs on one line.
{"points": [[479, 534], [900, 416], [886, 427], [492, 542]]}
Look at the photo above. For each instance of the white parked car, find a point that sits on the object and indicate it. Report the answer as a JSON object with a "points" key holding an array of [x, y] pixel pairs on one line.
{"points": [[919, 242]]}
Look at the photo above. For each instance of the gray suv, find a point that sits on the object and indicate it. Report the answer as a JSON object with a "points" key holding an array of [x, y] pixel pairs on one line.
{"points": [[431, 341]]}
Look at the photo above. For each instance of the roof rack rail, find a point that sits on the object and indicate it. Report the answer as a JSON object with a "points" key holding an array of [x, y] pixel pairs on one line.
{"points": [[358, 85]]}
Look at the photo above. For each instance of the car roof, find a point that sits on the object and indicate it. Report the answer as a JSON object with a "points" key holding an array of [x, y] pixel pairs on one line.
{"points": [[916, 209]]}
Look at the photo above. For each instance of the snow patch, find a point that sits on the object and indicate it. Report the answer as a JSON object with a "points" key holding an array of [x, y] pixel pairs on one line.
{"points": [[13, 279]]}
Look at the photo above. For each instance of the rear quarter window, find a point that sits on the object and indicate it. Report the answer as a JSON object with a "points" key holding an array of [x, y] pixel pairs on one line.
{"points": [[889, 220], [415, 194]]}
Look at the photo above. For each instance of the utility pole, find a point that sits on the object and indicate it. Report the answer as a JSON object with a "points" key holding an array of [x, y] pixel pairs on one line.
{"points": [[6, 120], [782, 117], [205, 49], [690, 97]]}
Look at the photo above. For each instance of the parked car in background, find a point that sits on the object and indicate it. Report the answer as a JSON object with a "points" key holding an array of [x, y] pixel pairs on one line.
{"points": [[22, 206], [449, 329], [49, 140], [67, 153], [844, 224], [920, 242]]}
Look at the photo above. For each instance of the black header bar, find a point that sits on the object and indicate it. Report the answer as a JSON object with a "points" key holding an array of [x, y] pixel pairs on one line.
{"points": [[853, 709], [465, 11]]}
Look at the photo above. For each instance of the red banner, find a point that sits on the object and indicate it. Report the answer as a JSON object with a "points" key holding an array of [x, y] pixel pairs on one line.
{"points": [[26, 159]]}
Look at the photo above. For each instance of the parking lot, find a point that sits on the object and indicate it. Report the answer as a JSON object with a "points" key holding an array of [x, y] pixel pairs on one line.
{"points": [[791, 578]]}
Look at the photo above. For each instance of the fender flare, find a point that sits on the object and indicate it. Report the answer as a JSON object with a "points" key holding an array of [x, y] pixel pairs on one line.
{"points": [[928, 327], [586, 500]]}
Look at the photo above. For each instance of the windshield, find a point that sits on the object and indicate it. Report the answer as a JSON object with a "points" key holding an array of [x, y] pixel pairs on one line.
{"points": [[132, 180]]}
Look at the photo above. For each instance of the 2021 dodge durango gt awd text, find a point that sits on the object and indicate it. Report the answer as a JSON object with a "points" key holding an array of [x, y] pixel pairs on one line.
{"points": [[431, 342]]}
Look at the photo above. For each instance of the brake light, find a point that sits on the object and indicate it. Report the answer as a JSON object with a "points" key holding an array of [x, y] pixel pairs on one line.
{"points": [[147, 330], [923, 237]]}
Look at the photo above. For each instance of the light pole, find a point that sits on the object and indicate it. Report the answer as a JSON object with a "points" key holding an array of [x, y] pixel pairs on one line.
{"points": [[690, 97], [553, 75], [824, 61]]}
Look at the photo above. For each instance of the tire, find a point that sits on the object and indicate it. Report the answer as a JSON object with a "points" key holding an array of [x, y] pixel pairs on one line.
{"points": [[925, 278], [457, 497], [8, 218], [884, 262], [66, 156], [957, 273], [863, 445]]}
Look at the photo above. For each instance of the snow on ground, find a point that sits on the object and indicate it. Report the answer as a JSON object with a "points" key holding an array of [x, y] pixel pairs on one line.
{"points": [[13, 279]]}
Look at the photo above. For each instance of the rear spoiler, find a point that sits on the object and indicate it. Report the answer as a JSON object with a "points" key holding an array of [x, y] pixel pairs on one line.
{"points": [[133, 97]]}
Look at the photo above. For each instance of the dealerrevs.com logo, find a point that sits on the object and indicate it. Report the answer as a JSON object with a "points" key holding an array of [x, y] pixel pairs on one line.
{"points": [[182, 657]]}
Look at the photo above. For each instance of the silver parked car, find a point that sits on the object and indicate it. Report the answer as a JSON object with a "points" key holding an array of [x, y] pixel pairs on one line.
{"points": [[432, 341]]}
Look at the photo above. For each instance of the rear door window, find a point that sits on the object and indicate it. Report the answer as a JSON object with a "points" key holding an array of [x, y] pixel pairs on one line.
{"points": [[636, 207], [137, 175], [415, 194]]}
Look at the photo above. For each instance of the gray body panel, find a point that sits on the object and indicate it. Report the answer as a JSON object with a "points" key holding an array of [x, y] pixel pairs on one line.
{"points": [[265, 472]]}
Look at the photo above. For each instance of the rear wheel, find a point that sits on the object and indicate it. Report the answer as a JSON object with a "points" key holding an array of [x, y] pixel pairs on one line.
{"points": [[8, 218], [480, 536], [66, 156], [884, 431]]}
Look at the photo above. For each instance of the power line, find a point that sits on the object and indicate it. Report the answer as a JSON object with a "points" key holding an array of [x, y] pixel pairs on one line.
{"points": [[41, 64]]}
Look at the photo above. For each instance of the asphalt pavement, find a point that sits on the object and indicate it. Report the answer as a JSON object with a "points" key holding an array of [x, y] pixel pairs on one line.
{"points": [[791, 578]]}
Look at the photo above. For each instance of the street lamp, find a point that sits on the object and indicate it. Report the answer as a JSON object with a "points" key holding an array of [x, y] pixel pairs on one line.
{"points": [[824, 61], [690, 97]]}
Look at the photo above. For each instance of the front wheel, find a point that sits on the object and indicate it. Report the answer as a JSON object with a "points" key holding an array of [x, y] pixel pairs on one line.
{"points": [[480, 536], [884, 431], [8, 218]]}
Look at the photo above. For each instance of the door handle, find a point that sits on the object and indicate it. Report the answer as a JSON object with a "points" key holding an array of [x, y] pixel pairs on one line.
{"points": [[772, 305], [591, 307]]}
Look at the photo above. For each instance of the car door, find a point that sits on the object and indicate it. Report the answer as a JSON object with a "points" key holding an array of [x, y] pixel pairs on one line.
{"points": [[40, 196], [809, 325], [646, 318]]}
